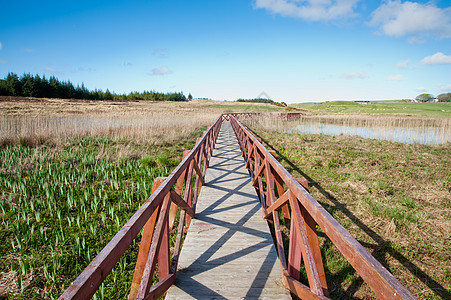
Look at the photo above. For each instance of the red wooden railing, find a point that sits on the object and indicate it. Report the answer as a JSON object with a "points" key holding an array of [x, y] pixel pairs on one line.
{"points": [[304, 213], [157, 217]]}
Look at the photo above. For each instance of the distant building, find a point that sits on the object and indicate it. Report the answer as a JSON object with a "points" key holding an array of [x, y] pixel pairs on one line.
{"points": [[363, 102]]}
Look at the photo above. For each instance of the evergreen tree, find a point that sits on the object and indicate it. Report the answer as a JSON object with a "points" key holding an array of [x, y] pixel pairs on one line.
{"points": [[13, 85], [54, 87], [28, 86]]}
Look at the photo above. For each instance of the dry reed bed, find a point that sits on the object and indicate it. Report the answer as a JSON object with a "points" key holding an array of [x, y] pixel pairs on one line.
{"points": [[56, 120]]}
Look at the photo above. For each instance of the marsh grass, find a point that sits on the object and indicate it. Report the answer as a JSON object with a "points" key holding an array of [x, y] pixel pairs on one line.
{"points": [[392, 197]]}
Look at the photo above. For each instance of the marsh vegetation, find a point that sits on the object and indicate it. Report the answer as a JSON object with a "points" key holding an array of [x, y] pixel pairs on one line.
{"points": [[412, 130]]}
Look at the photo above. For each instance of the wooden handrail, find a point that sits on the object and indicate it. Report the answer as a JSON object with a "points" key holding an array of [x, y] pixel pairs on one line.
{"points": [[158, 205], [304, 213]]}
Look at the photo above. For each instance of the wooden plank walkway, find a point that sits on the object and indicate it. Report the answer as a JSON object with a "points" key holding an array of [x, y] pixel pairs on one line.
{"points": [[228, 252]]}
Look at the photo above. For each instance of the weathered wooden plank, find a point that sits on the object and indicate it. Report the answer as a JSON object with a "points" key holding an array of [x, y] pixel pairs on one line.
{"points": [[144, 246], [228, 251]]}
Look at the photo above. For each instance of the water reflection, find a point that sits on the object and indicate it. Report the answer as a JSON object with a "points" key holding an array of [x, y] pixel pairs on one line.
{"points": [[397, 129], [428, 136]]}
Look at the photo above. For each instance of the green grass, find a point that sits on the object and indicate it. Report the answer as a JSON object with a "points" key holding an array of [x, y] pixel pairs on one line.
{"points": [[381, 107], [60, 206]]}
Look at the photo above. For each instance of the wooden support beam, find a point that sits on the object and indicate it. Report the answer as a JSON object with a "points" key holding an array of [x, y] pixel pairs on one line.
{"points": [[258, 173], [312, 236], [198, 172], [276, 205], [309, 260], [304, 182], [301, 291], [281, 191], [178, 190], [144, 246], [160, 287], [181, 203], [151, 261], [188, 196]]}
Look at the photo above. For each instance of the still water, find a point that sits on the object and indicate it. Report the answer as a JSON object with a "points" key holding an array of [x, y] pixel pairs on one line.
{"points": [[413, 131]]}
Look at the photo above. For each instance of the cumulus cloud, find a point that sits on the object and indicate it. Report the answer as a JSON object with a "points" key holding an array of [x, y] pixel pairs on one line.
{"points": [[164, 70], [397, 77], [355, 75], [397, 18], [312, 10], [1, 46], [437, 59]]}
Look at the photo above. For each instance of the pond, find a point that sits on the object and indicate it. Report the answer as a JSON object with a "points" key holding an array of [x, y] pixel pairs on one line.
{"points": [[398, 129]]}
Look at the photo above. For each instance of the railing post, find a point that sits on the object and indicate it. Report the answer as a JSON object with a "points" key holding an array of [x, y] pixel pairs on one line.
{"points": [[178, 190], [144, 246]]}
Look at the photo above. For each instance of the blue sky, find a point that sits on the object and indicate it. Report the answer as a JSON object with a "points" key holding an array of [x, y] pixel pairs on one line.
{"points": [[293, 50]]}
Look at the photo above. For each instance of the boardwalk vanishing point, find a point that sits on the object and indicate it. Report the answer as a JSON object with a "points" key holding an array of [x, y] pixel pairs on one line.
{"points": [[228, 251]]}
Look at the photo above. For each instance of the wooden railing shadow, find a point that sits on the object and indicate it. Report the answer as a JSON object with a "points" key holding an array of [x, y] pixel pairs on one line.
{"points": [[223, 183], [380, 248]]}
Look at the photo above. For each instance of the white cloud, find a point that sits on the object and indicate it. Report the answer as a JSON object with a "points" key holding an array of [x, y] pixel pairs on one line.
{"points": [[403, 64], [3, 62], [161, 71], [312, 10], [1, 46], [355, 75], [397, 77], [446, 88], [397, 18], [437, 59], [421, 89]]}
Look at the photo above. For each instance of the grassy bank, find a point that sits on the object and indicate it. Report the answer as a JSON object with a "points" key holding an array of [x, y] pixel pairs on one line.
{"points": [[392, 197], [433, 110]]}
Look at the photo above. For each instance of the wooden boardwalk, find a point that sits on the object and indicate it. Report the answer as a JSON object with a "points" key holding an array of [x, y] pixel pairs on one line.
{"points": [[228, 252]]}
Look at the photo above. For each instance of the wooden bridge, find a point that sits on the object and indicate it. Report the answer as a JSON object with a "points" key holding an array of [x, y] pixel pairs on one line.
{"points": [[227, 203]]}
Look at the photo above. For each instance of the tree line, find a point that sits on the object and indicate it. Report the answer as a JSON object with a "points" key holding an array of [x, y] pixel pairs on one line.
{"points": [[446, 97], [40, 87]]}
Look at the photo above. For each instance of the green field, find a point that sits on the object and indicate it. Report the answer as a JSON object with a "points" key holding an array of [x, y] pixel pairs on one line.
{"points": [[379, 107]]}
